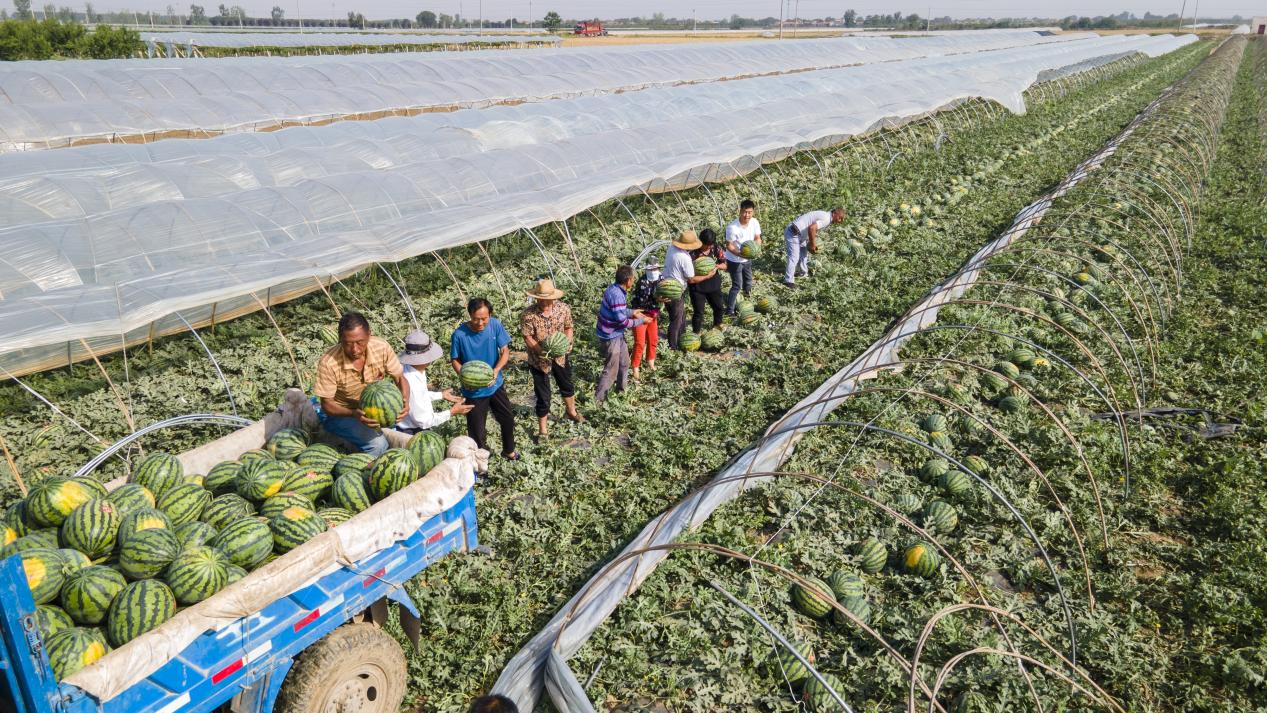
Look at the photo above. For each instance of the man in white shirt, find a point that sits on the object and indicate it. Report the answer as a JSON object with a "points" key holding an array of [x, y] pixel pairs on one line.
{"points": [[679, 266], [744, 229], [801, 239], [420, 352]]}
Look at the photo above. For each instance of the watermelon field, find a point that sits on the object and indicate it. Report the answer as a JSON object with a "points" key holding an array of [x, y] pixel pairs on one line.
{"points": [[1053, 501]]}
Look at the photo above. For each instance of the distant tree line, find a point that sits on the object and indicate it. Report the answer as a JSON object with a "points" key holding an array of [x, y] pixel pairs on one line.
{"points": [[51, 38]]}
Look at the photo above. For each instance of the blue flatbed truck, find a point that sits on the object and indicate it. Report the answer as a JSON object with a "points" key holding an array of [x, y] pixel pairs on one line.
{"points": [[323, 642]]}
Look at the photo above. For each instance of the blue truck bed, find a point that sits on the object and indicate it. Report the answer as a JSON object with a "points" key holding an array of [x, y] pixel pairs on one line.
{"points": [[248, 659]]}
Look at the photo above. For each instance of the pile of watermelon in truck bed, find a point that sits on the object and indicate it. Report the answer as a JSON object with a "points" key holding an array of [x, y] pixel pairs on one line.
{"points": [[261, 583]]}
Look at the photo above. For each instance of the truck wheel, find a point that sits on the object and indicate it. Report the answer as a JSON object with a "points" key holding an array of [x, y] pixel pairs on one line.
{"points": [[356, 667]]}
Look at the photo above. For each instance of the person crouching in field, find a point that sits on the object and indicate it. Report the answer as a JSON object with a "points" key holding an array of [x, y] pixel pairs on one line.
{"points": [[801, 238], [420, 353]]}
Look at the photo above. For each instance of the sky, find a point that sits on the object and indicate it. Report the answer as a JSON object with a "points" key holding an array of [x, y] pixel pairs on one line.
{"points": [[705, 9]]}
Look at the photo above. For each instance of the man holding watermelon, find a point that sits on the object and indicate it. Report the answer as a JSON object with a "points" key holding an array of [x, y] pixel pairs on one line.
{"points": [[478, 351], [743, 242], [679, 266], [343, 372]]}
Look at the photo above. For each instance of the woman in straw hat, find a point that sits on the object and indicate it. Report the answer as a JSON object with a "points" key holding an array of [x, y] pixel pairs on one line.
{"points": [[678, 265], [546, 317]]}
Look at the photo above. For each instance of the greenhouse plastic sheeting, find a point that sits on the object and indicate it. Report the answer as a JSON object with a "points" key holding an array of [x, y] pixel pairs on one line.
{"points": [[541, 666], [324, 39], [50, 104], [117, 242]]}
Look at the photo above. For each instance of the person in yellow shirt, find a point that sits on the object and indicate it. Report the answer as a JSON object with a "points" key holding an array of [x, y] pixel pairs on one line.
{"points": [[343, 372]]}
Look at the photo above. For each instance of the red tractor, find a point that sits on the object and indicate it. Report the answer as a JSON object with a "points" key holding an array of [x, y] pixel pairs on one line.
{"points": [[590, 28]]}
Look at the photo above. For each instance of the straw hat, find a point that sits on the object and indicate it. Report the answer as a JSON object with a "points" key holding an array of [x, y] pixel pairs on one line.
{"points": [[544, 290], [688, 240], [419, 349]]}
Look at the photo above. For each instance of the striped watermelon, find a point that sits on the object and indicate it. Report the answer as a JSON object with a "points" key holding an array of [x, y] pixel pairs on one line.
{"points": [[92, 528], [223, 477], [87, 594], [273, 507], [690, 342], [52, 501], [383, 402], [955, 482], [196, 574], [329, 334], [749, 319], [428, 449], [872, 554], [236, 573], [941, 516], [993, 382], [818, 697], [225, 509], [921, 559], [73, 560], [1067, 320], [45, 537], [194, 479], [30, 542], [287, 443], [261, 480], [139, 520], [295, 526], [310, 483], [844, 583], [335, 516], [17, 516], [193, 534], [788, 666], [712, 340], [245, 542], [159, 472], [140, 607], [857, 605], [765, 305], [1012, 404], [976, 464], [391, 472], [349, 492], [72, 649], [750, 249], [476, 375], [940, 441], [131, 496], [255, 454], [934, 468], [556, 345], [148, 552], [183, 503], [52, 619], [319, 456], [1008, 369], [1022, 357], [810, 603], [933, 422], [669, 289], [352, 463], [704, 265], [45, 573]]}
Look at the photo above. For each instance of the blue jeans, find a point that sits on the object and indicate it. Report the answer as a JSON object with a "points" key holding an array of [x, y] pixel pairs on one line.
{"points": [[354, 432], [740, 279]]}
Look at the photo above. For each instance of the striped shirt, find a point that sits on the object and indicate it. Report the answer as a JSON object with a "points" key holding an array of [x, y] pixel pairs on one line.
{"points": [[613, 315], [339, 380]]}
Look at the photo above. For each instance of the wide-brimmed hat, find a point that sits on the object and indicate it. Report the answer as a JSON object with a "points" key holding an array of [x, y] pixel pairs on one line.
{"points": [[420, 349], [544, 290], [688, 240], [652, 266]]}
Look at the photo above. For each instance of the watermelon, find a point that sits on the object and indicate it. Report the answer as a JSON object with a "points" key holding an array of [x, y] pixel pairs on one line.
{"points": [[428, 449], [908, 502], [147, 553], [750, 249], [87, 594], [940, 441], [704, 265], [1067, 320], [354, 463], [476, 375], [73, 560], [934, 468], [255, 454], [1008, 369], [391, 472], [818, 696], [382, 402], [349, 493], [976, 464], [261, 480], [295, 526], [245, 542], [712, 340], [933, 423], [921, 559], [15, 517], [844, 583], [52, 619], [1084, 278], [749, 319], [196, 574], [790, 667], [270, 508], [993, 382], [72, 649], [335, 516], [193, 479], [319, 456], [970, 425], [33, 541], [139, 608], [193, 534], [46, 537], [288, 443], [52, 501], [690, 342], [225, 509], [129, 497], [159, 472], [329, 334], [941, 515], [810, 603], [858, 606], [183, 503], [310, 483], [1012, 404], [236, 573], [872, 554], [1022, 357], [957, 393], [223, 477], [92, 528], [45, 573], [669, 289], [955, 482], [139, 520], [765, 305], [556, 345]]}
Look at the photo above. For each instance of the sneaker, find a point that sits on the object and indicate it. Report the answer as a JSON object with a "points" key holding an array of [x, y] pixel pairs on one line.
{"points": [[789, 285]]}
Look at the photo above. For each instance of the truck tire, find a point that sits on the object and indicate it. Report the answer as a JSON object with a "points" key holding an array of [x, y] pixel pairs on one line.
{"points": [[356, 667]]}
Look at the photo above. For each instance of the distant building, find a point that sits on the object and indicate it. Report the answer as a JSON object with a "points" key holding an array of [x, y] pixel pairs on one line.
{"points": [[1258, 26]]}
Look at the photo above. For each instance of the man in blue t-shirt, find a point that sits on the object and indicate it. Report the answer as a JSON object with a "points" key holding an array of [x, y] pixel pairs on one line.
{"points": [[483, 338]]}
